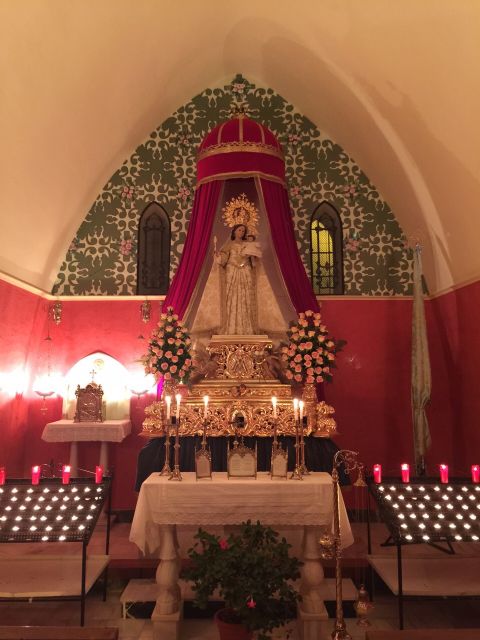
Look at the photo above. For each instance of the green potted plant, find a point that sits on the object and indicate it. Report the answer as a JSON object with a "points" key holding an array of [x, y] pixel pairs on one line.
{"points": [[252, 573]]}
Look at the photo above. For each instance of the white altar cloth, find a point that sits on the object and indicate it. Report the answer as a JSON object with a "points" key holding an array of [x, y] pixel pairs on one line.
{"points": [[70, 431], [223, 501], [73, 432]]}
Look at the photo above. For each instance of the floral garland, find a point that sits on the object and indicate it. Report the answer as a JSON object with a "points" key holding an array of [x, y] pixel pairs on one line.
{"points": [[169, 355], [309, 356]]}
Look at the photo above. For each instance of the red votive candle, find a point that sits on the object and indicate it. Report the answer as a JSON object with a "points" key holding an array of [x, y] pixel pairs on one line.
{"points": [[377, 473], [405, 468], [444, 473], [3, 475], [98, 474], [476, 473], [35, 474], [66, 469]]}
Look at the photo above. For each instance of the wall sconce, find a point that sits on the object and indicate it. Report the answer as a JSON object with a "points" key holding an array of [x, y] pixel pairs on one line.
{"points": [[141, 384], [14, 383], [44, 387], [55, 312], [145, 311]]}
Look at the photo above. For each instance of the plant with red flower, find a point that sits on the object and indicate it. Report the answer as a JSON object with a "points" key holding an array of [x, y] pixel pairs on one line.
{"points": [[253, 573]]}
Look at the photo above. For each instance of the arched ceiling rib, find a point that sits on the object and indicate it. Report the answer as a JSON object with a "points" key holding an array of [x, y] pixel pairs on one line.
{"points": [[396, 84]]}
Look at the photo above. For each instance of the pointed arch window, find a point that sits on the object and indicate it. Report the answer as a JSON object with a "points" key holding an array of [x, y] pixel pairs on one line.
{"points": [[326, 251], [153, 268]]}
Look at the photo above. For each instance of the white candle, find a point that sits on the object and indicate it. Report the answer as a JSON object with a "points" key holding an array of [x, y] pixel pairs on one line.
{"points": [[295, 409], [168, 402], [274, 405], [178, 398], [205, 410], [300, 404]]}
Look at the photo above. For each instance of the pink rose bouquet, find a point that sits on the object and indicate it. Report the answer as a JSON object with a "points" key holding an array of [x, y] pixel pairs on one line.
{"points": [[168, 355], [309, 356]]}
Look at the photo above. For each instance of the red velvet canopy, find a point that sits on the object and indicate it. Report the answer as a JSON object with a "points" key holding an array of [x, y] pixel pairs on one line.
{"points": [[241, 148]]}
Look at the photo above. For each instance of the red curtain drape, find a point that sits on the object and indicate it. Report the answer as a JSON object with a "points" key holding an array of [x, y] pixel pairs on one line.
{"points": [[195, 249], [275, 199]]}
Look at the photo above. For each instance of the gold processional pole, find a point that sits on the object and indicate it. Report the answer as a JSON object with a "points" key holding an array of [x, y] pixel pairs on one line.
{"points": [[333, 547]]}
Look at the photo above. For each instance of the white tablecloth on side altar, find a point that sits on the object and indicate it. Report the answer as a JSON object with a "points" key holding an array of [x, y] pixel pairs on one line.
{"points": [[223, 501], [70, 431]]}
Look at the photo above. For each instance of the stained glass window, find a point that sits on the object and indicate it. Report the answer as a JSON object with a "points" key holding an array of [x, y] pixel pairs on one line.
{"points": [[153, 272], [326, 251]]}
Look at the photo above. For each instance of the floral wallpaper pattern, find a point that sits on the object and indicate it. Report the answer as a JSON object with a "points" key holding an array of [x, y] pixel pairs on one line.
{"points": [[102, 258]]}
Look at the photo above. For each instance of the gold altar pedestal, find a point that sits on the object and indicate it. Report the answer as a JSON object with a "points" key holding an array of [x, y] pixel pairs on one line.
{"points": [[241, 382]]}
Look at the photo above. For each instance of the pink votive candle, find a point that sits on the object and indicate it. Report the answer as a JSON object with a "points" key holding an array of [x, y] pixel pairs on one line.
{"points": [[405, 468], [3, 475], [98, 474], [444, 473], [377, 473], [476, 473], [35, 474], [66, 470]]}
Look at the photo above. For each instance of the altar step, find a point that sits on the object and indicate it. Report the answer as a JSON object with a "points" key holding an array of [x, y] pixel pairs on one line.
{"points": [[139, 596]]}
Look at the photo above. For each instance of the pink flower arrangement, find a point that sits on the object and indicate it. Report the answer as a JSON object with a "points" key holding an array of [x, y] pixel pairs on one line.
{"points": [[310, 353], [168, 354]]}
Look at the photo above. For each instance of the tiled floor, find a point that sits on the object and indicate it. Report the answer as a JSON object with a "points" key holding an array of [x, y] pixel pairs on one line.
{"points": [[418, 613]]}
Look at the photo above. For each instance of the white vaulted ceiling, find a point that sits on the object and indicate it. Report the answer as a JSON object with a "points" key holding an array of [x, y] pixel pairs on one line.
{"points": [[83, 82]]}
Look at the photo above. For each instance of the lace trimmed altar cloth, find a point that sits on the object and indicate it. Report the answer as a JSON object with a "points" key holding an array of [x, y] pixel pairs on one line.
{"points": [[229, 502]]}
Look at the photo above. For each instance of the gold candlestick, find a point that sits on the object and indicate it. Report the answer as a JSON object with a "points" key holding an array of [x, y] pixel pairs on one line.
{"points": [[166, 471], [274, 445], [303, 467], [175, 474], [204, 435], [297, 472]]}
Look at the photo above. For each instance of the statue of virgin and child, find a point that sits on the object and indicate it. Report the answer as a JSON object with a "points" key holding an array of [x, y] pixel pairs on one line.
{"points": [[236, 278], [237, 260]]}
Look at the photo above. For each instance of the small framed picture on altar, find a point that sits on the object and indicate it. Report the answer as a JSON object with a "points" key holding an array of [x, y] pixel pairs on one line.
{"points": [[279, 463], [203, 464], [242, 462]]}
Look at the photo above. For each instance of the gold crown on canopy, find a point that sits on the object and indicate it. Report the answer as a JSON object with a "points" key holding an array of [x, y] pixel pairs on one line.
{"points": [[240, 210]]}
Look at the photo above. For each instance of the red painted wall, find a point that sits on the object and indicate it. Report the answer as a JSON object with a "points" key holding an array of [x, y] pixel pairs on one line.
{"points": [[370, 392]]}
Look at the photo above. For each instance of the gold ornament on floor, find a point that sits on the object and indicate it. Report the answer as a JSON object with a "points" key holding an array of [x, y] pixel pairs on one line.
{"points": [[362, 607]]}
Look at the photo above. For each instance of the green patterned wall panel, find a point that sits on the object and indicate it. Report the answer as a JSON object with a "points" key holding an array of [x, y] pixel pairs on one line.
{"points": [[102, 258]]}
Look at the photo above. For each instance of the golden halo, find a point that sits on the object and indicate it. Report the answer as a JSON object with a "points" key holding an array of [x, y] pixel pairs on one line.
{"points": [[241, 211]]}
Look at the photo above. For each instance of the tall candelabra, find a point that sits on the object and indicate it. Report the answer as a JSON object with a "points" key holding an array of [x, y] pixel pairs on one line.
{"points": [[166, 470], [175, 474], [297, 472], [274, 445], [303, 467]]}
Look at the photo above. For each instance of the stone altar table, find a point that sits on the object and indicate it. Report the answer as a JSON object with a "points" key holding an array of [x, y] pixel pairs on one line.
{"points": [[74, 432], [163, 504]]}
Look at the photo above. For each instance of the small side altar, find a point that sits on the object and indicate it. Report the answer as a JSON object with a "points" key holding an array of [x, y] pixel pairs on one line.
{"points": [[239, 380]]}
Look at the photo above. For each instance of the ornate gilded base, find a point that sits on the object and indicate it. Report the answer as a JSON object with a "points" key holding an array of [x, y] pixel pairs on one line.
{"points": [[241, 387]]}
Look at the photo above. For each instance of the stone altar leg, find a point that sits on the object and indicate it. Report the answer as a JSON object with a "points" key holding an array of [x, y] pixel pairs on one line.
{"points": [[312, 609], [167, 612], [73, 462], [103, 461]]}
